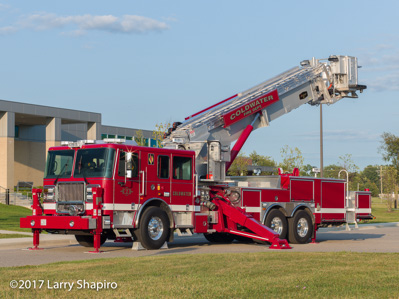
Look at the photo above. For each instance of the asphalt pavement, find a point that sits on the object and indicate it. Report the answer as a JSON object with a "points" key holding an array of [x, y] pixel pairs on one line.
{"points": [[382, 237]]}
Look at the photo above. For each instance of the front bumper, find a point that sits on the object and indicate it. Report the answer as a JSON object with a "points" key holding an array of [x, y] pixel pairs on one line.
{"points": [[58, 222]]}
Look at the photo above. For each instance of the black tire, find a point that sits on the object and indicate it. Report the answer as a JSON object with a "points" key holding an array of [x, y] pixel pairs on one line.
{"points": [[154, 228], [277, 221], [88, 241], [219, 237], [300, 228]]}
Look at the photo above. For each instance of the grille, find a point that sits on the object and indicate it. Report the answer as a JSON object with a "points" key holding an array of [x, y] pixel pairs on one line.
{"points": [[70, 194]]}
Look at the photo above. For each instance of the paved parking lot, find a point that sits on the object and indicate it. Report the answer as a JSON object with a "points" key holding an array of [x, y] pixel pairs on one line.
{"points": [[368, 238]]}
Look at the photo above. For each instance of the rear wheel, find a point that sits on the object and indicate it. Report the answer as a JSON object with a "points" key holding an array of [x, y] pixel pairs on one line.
{"points": [[300, 228], [219, 237], [277, 221], [154, 228], [88, 241]]}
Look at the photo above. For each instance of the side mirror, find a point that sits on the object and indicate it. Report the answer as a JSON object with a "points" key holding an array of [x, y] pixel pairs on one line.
{"points": [[129, 165]]}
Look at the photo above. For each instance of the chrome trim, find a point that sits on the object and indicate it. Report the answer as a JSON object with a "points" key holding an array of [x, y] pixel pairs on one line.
{"points": [[142, 191], [272, 206], [302, 205], [82, 203], [137, 215]]}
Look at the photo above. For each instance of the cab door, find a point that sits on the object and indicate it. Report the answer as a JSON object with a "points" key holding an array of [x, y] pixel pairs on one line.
{"points": [[126, 194], [157, 175], [182, 182]]}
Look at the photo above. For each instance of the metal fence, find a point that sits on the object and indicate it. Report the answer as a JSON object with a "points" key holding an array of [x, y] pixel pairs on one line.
{"points": [[15, 198]]}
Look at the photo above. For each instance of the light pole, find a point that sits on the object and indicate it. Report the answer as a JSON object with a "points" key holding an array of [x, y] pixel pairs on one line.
{"points": [[321, 140]]}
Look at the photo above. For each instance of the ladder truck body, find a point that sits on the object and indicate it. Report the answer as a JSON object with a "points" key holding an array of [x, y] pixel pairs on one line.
{"points": [[113, 189]]}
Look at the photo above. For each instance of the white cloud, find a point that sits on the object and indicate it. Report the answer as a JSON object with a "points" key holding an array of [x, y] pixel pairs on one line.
{"points": [[7, 30], [81, 24], [381, 67]]}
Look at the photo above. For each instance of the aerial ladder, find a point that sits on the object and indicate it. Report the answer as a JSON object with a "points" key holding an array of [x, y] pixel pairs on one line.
{"points": [[211, 132]]}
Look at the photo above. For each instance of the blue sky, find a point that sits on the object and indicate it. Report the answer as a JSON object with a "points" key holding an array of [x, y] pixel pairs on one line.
{"points": [[140, 63]]}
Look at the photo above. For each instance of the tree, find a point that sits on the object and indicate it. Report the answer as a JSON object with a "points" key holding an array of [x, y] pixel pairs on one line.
{"points": [[331, 171], [389, 183], [347, 163], [390, 153], [160, 130], [371, 173], [239, 166], [260, 160], [371, 180], [292, 157], [307, 170], [139, 138], [390, 149]]}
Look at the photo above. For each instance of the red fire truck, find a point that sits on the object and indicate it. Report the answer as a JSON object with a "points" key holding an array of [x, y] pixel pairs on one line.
{"points": [[114, 189]]}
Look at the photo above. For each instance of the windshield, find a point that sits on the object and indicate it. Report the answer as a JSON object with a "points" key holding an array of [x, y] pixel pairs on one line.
{"points": [[94, 162], [59, 164]]}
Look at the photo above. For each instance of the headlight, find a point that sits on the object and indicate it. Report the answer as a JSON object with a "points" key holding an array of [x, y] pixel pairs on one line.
{"points": [[49, 193]]}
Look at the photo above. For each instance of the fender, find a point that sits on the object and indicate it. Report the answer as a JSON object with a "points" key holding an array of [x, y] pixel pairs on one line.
{"points": [[144, 205], [306, 207], [279, 206], [272, 207]]}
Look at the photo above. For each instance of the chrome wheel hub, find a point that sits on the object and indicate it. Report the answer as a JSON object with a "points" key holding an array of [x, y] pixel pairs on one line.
{"points": [[302, 227], [277, 225], [155, 228]]}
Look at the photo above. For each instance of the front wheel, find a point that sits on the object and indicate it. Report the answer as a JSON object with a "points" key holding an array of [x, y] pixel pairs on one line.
{"points": [[277, 221], [154, 228], [300, 228]]}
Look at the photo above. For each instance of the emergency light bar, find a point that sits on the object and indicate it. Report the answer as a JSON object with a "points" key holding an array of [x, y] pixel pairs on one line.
{"points": [[80, 143]]}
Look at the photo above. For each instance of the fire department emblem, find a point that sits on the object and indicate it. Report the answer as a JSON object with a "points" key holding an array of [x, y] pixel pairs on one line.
{"points": [[126, 191], [150, 159]]}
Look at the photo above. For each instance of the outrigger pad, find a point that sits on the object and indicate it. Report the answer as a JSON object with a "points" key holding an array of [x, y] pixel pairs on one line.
{"points": [[137, 246], [280, 244]]}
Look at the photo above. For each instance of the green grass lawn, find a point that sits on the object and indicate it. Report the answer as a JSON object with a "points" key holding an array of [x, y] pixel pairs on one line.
{"points": [[380, 211], [244, 275], [9, 217]]}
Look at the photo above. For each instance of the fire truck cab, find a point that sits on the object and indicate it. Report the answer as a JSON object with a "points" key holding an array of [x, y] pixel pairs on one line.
{"points": [[140, 184]]}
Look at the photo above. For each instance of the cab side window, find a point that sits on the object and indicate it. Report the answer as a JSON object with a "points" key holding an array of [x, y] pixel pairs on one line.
{"points": [[122, 166], [182, 168], [163, 167]]}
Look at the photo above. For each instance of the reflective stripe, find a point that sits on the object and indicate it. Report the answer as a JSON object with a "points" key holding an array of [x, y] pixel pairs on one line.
{"points": [[128, 207], [252, 209], [49, 206], [328, 210]]}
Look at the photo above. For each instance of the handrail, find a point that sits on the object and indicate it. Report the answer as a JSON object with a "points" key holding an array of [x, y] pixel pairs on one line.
{"points": [[347, 185]]}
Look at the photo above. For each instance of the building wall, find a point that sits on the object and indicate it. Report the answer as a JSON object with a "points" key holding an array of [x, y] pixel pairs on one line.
{"points": [[29, 161], [27, 130]]}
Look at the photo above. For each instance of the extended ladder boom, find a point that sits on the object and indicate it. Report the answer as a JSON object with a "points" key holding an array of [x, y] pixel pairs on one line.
{"points": [[211, 131]]}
